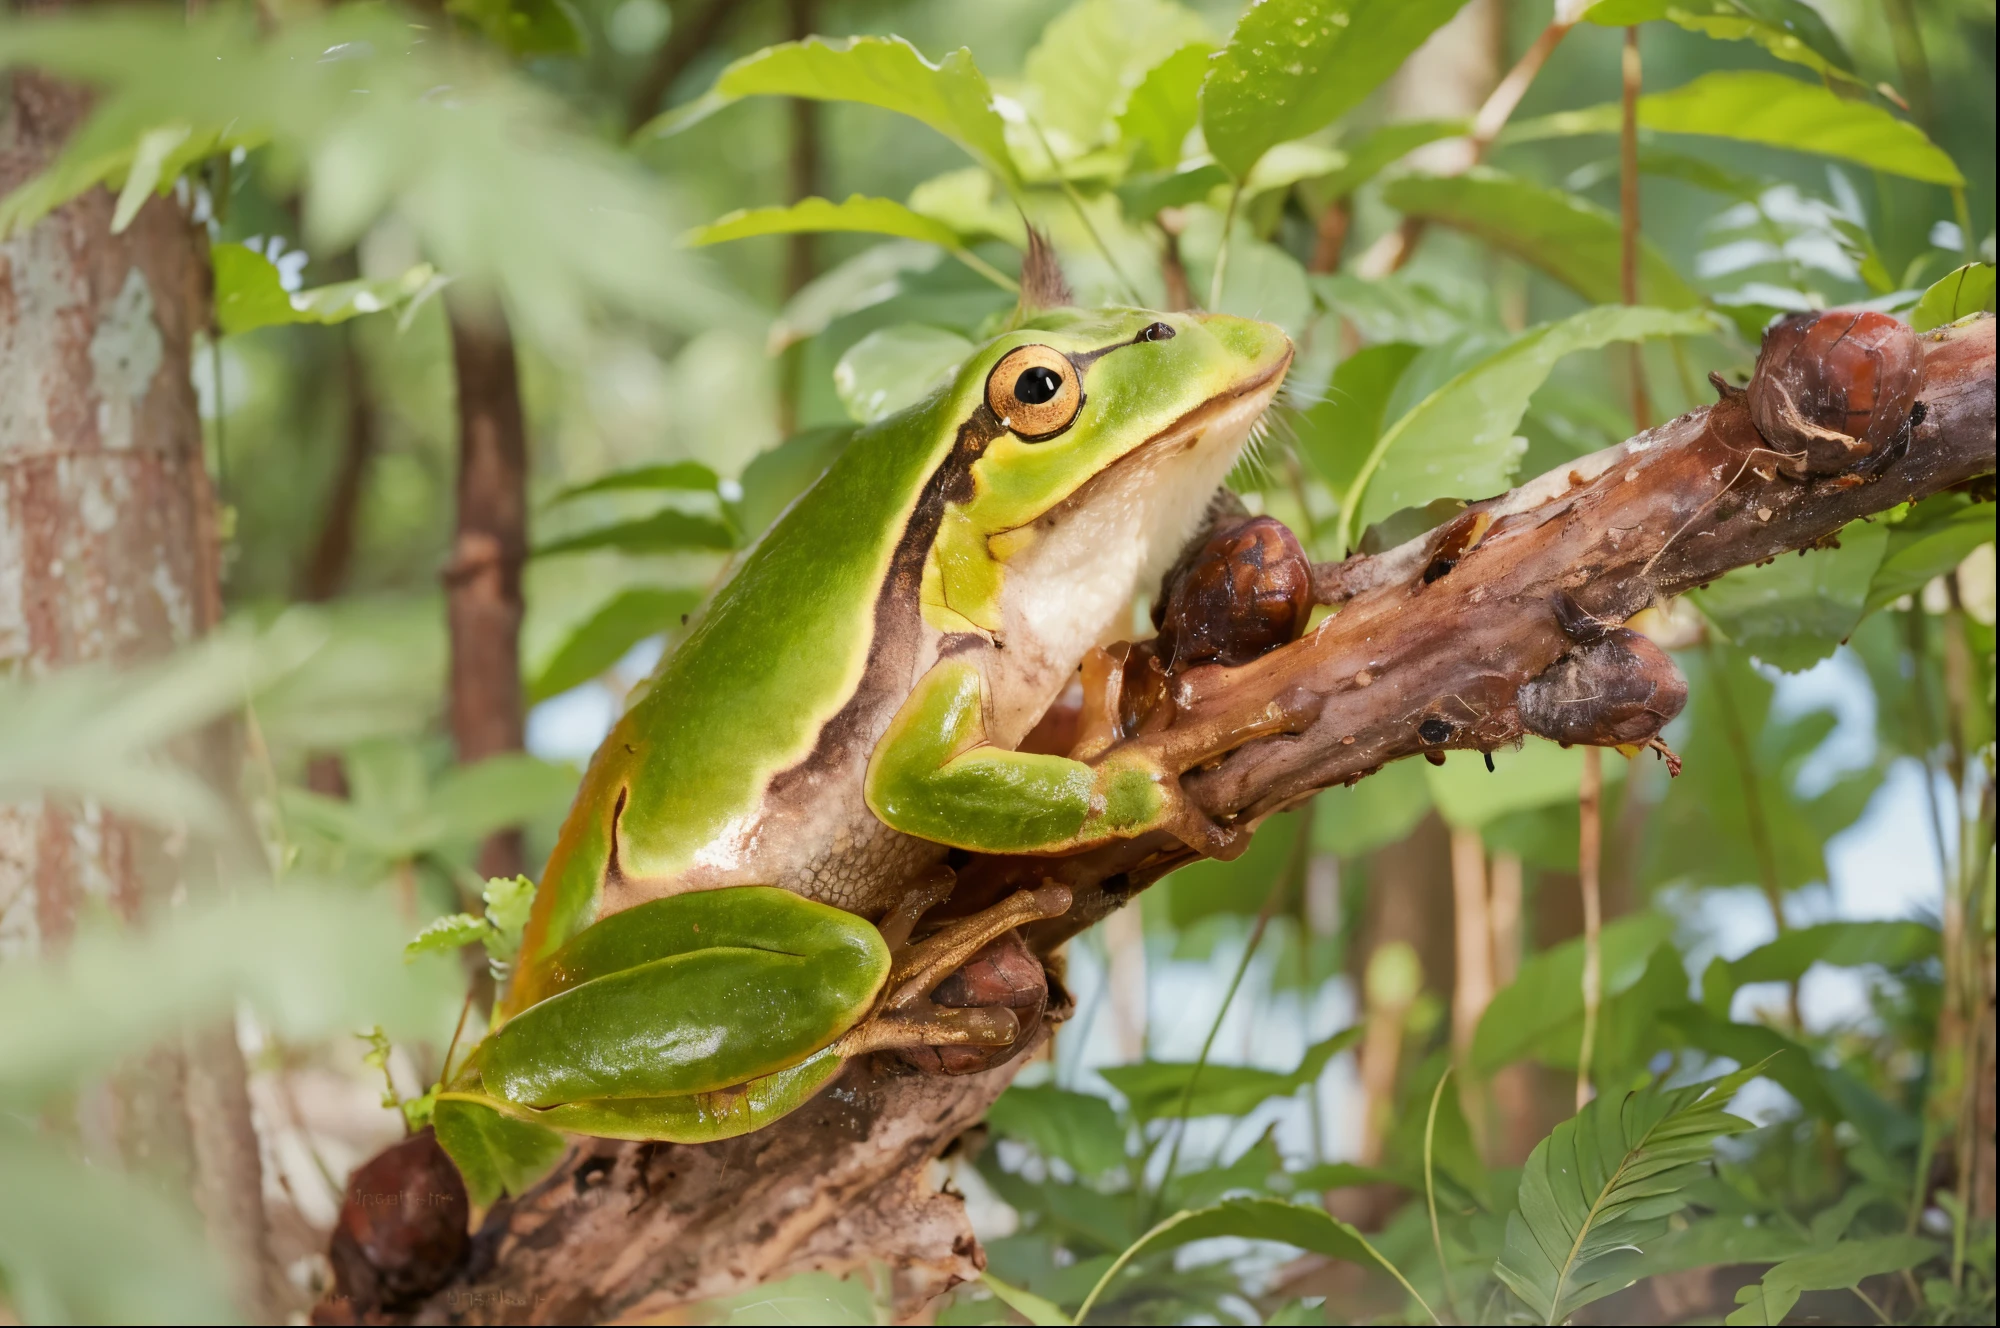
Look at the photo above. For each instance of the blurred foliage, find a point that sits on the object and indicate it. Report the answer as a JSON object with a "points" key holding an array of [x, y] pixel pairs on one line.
{"points": [[685, 378]]}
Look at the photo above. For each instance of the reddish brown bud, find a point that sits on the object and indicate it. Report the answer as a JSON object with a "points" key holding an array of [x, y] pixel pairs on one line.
{"points": [[1616, 688], [1248, 591], [1838, 387], [402, 1226]]}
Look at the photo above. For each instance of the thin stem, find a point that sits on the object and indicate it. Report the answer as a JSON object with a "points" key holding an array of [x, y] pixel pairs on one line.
{"points": [[1083, 213], [1628, 217], [1866, 1300], [1430, 1195], [1589, 853], [986, 270], [1222, 248], [1966, 244], [465, 1009]]}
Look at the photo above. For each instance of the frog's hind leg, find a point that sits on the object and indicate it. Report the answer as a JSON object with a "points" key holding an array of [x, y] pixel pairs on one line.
{"points": [[907, 1017]]}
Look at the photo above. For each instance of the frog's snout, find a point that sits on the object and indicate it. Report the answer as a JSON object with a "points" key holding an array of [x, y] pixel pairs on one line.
{"points": [[1263, 349]]}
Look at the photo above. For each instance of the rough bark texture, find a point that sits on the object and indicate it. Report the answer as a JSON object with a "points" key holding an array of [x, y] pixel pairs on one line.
{"points": [[483, 580], [108, 553], [628, 1231]]}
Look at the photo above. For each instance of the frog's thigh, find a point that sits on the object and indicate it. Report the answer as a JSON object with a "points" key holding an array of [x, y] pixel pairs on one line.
{"points": [[753, 1002], [935, 775]]}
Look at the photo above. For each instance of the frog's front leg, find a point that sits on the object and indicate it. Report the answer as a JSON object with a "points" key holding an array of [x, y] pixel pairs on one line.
{"points": [[936, 775]]}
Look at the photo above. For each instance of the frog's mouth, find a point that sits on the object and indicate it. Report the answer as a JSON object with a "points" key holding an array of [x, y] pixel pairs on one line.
{"points": [[1225, 420]]}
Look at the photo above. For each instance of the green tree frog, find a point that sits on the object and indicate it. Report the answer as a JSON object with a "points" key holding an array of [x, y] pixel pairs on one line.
{"points": [[726, 917]]}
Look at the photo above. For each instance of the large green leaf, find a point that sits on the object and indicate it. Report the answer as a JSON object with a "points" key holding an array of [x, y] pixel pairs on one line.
{"points": [[1381, 149], [894, 367], [877, 216], [1843, 944], [1309, 1229], [1607, 1180], [1164, 107], [1933, 537], [1546, 996], [1460, 441], [1789, 29], [1962, 291], [249, 293], [1754, 106], [495, 1154], [1337, 433], [673, 476], [1094, 56], [1793, 612], [1156, 1089], [951, 96], [1570, 238], [1294, 66], [1469, 795], [1077, 1128], [668, 531], [608, 635], [1838, 1268]]}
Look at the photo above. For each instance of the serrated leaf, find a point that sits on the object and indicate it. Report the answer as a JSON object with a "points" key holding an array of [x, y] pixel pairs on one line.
{"points": [[669, 531], [1570, 238], [509, 901], [495, 1154], [249, 293], [876, 216], [1079, 1128], [950, 96], [1156, 1089], [1960, 292], [895, 366], [1839, 1268], [1460, 441], [1294, 66], [453, 931], [1607, 1179]]}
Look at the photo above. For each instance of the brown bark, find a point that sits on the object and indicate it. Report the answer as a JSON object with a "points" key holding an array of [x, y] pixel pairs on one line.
{"points": [[109, 552], [483, 579], [634, 1230]]}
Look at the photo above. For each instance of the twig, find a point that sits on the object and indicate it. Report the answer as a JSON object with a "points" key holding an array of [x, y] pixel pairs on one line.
{"points": [[1628, 217], [1430, 1195]]}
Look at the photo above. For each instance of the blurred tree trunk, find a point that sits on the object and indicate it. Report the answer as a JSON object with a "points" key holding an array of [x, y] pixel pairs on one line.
{"points": [[109, 553], [483, 579]]}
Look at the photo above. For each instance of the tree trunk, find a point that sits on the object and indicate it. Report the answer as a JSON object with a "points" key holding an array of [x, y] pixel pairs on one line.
{"points": [[108, 553]]}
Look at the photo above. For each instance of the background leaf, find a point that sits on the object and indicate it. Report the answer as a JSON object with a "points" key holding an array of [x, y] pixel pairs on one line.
{"points": [[1792, 612]]}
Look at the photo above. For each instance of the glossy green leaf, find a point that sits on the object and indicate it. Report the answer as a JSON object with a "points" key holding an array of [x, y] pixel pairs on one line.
{"points": [[1162, 110], [950, 96], [1078, 1128], [894, 367], [675, 476], [1753, 106], [1468, 795], [1292, 67], [495, 1154], [249, 294], [1842, 944], [1156, 1089], [608, 635], [1839, 1268], [667, 531], [1959, 293], [1335, 435], [1460, 441], [1932, 539], [1606, 1180], [878, 216], [1093, 57], [1793, 612], [524, 27], [1037, 1310], [1570, 238], [1789, 29], [1547, 994]]}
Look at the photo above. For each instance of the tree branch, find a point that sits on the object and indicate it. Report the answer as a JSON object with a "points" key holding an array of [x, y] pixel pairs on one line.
{"points": [[624, 1231]]}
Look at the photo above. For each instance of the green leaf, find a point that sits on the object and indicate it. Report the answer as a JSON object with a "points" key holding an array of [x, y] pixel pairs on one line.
{"points": [[309, 961], [1380, 810], [1294, 66], [149, 160], [495, 1154], [1460, 441], [1148, 194], [894, 367], [1546, 996], [1753, 106], [608, 635], [1162, 110], [1959, 293], [1840, 1268], [83, 1243], [668, 531], [878, 216], [1788, 29], [1932, 539], [1399, 307], [1787, 1064], [1309, 1229], [1606, 1180], [524, 27], [1468, 795], [1210, 886], [472, 801], [509, 901], [951, 96], [1377, 152], [1037, 1310], [453, 931], [1094, 56], [1156, 1089], [1078, 1128], [963, 200], [249, 294], [1793, 612], [774, 478], [1570, 238], [819, 1298], [1842, 944], [677, 476]]}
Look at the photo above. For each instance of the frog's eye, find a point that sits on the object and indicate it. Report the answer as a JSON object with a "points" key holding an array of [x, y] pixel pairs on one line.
{"points": [[1035, 392]]}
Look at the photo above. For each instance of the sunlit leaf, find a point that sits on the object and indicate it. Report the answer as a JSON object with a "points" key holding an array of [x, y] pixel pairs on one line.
{"points": [[250, 295], [1570, 238], [1161, 111], [1460, 441], [1789, 29], [496, 1155], [1793, 612], [951, 96], [1077, 1128], [1399, 307], [1469, 795], [1094, 56], [1606, 1180], [1842, 944], [878, 216], [1547, 994], [681, 476], [1962, 291], [1381, 149], [1840, 1268], [453, 931], [1294, 66], [1932, 539], [894, 367], [608, 635], [964, 201], [668, 531]]}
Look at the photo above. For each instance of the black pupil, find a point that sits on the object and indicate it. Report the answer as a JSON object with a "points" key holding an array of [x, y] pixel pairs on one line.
{"points": [[1036, 386]]}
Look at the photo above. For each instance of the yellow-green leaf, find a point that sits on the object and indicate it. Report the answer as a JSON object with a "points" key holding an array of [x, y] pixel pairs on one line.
{"points": [[875, 216]]}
